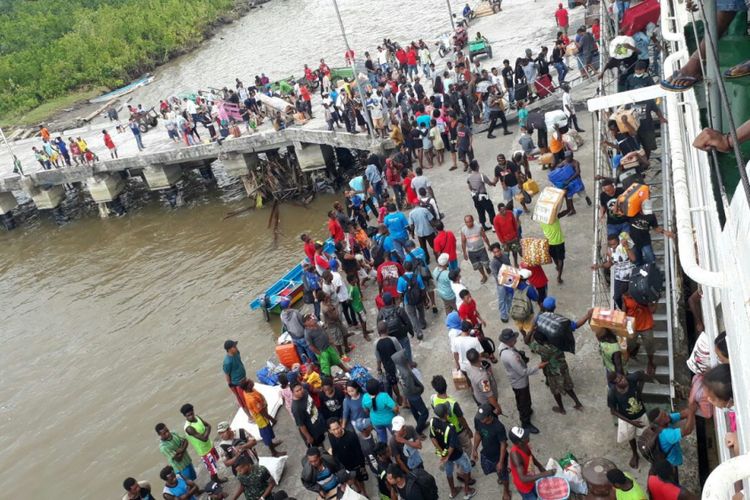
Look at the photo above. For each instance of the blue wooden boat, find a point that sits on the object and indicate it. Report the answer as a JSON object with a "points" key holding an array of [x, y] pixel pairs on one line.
{"points": [[144, 80], [288, 288]]}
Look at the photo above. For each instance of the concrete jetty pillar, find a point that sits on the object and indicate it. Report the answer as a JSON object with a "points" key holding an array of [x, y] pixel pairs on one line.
{"points": [[105, 189], [162, 176], [309, 156], [239, 164], [8, 202], [47, 198]]}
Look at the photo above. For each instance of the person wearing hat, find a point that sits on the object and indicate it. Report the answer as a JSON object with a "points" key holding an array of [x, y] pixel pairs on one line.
{"points": [[482, 380], [491, 433], [521, 460], [440, 276], [233, 445], [405, 444], [234, 372], [518, 371], [368, 442], [448, 447]]}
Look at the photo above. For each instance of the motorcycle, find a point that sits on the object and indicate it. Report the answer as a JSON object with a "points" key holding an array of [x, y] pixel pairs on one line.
{"points": [[460, 38]]}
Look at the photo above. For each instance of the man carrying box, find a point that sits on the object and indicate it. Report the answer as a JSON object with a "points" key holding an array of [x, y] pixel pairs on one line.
{"points": [[644, 329]]}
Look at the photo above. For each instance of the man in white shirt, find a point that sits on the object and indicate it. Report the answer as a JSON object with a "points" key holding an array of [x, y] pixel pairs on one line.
{"points": [[462, 344], [383, 59], [569, 109]]}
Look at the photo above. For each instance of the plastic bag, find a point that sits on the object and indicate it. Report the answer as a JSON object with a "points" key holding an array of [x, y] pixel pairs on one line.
{"points": [[572, 473], [350, 494], [275, 466]]}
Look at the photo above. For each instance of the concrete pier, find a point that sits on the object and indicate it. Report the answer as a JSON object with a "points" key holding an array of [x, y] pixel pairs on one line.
{"points": [[163, 164]]}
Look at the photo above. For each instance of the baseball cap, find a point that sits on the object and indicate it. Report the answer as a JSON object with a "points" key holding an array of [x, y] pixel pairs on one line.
{"points": [[443, 259], [485, 410], [507, 335], [362, 423], [549, 303], [228, 344], [518, 434], [397, 423], [222, 426]]}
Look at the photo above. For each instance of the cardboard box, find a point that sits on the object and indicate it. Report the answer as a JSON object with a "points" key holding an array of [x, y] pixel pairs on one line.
{"points": [[632, 116], [546, 158], [509, 276], [459, 381], [548, 204], [611, 319]]}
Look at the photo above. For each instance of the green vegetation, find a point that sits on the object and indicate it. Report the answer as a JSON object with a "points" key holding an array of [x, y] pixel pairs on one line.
{"points": [[51, 48]]}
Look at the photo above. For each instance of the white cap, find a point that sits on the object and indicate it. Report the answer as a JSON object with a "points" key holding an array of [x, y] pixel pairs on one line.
{"points": [[443, 259], [398, 423], [525, 274]]}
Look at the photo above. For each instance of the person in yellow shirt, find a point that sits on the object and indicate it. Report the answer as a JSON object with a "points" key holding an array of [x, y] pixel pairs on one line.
{"points": [[625, 486], [258, 407]]}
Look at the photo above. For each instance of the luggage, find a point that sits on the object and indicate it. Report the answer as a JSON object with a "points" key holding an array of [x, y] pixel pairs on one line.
{"points": [[548, 204], [509, 276], [459, 381], [547, 159], [629, 203], [629, 177], [632, 116], [558, 330], [360, 375], [639, 15], [648, 444], [287, 354], [543, 85], [531, 187], [552, 488], [575, 136], [535, 251], [267, 376], [645, 284]]}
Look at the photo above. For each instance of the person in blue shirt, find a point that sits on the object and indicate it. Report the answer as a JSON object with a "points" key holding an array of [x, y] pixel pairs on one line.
{"points": [[134, 127], [374, 176], [670, 433], [176, 486], [419, 257], [397, 225], [413, 306]]}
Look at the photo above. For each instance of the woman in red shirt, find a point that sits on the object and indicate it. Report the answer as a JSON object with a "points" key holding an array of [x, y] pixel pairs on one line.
{"points": [[411, 197]]}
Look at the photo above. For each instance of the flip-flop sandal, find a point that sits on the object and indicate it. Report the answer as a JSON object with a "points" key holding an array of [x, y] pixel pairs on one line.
{"points": [[670, 85], [738, 70]]}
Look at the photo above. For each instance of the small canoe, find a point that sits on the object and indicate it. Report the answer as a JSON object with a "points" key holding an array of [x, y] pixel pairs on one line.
{"points": [[144, 80], [288, 288]]}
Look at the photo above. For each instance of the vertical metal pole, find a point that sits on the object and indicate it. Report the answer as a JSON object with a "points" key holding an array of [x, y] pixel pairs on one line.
{"points": [[16, 162], [712, 75], [362, 97], [450, 14]]}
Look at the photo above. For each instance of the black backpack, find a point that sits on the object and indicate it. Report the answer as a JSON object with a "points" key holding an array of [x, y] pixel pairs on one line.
{"points": [[377, 253], [424, 481], [648, 444], [414, 294], [393, 322]]}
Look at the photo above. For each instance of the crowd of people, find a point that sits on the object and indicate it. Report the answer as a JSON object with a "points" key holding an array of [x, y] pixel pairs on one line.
{"points": [[391, 246]]}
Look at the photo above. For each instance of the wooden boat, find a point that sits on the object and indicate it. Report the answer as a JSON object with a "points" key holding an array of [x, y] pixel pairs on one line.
{"points": [[288, 288], [144, 80]]}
